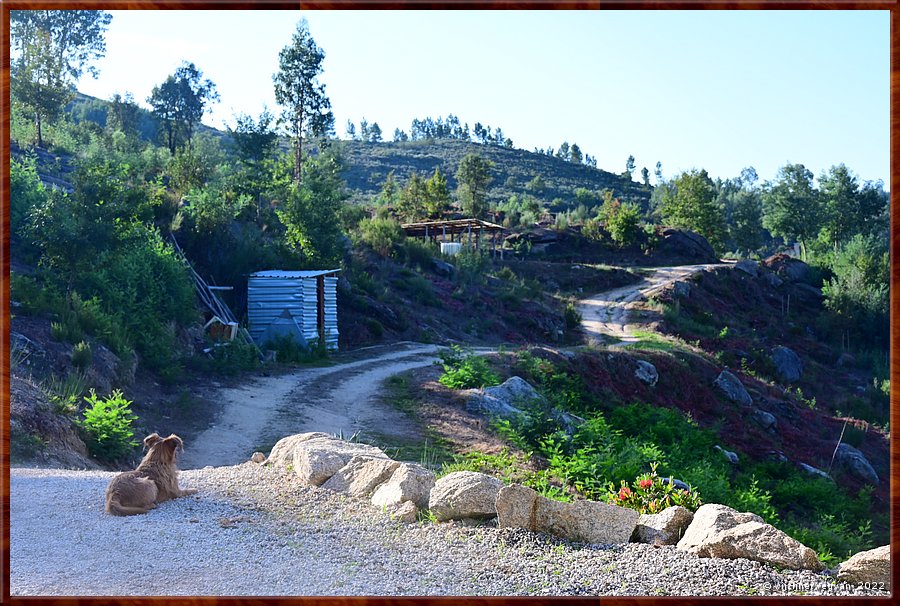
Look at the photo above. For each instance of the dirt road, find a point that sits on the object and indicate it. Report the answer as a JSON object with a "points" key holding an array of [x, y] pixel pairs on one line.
{"points": [[606, 316], [341, 400]]}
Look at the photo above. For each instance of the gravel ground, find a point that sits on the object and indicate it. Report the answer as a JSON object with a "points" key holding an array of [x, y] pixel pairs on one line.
{"points": [[253, 530]]}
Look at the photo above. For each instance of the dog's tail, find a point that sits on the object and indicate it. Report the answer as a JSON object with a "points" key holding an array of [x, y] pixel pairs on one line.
{"points": [[115, 508]]}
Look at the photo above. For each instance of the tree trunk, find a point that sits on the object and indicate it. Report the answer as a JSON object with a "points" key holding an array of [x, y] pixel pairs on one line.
{"points": [[298, 157], [37, 128]]}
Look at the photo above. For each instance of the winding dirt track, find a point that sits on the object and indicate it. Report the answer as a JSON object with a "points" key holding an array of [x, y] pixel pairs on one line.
{"points": [[606, 315], [340, 400]]}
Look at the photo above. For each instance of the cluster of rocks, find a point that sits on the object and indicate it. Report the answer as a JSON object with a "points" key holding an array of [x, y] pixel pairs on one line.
{"points": [[404, 489]]}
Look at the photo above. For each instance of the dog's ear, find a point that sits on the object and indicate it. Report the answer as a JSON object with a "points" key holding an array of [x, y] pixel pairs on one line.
{"points": [[150, 440], [179, 443]]}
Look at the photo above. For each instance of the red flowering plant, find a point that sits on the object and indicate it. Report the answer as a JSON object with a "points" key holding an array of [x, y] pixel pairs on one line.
{"points": [[650, 493]]}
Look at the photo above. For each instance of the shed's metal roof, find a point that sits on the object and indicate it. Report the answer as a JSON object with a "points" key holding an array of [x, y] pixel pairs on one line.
{"points": [[281, 273]]}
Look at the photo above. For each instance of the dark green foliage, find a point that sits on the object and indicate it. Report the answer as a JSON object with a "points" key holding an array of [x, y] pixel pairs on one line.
{"points": [[25, 193], [622, 221], [289, 351], [311, 211], [82, 355], [232, 357], [572, 316], [792, 206], [180, 102], [108, 425], [474, 177], [689, 201], [383, 234]]}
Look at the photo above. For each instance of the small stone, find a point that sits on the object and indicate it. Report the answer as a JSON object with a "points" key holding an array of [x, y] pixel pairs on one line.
{"points": [[258, 457]]}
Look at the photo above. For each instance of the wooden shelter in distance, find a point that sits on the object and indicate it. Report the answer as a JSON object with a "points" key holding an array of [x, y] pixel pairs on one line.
{"points": [[456, 230]]}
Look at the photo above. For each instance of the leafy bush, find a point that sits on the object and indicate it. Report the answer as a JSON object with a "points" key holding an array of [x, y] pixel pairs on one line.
{"points": [[290, 351], [82, 355], [375, 327], [108, 424], [622, 221], [464, 370], [650, 494], [572, 316], [382, 234], [471, 265], [233, 357], [66, 330]]}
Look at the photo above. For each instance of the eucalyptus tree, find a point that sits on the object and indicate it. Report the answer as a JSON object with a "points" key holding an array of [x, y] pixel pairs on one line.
{"points": [[180, 102], [307, 109]]}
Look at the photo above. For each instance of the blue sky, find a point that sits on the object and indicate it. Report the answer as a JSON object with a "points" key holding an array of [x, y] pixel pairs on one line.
{"points": [[718, 90]]}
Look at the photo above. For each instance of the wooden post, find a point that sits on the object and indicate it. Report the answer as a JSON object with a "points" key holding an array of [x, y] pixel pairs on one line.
{"points": [[320, 307]]}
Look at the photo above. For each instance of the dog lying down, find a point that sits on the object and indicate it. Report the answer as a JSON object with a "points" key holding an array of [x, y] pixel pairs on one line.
{"points": [[155, 480]]}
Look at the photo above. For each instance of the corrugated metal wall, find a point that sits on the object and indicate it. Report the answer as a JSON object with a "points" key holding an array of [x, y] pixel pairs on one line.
{"points": [[269, 296]]}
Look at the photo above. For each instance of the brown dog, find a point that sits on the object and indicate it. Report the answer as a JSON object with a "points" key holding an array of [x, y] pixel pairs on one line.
{"points": [[155, 480]]}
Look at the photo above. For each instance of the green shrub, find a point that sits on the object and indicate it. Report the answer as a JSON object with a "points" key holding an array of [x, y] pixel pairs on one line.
{"points": [[464, 370], [650, 494], [471, 265], [67, 330], [383, 234], [419, 290], [82, 355], [375, 327], [290, 351], [108, 425], [233, 357], [572, 316], [65, 393]]}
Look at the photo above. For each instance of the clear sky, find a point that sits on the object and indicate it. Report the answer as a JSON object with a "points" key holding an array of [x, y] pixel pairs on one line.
{"points": [[718, 90]]}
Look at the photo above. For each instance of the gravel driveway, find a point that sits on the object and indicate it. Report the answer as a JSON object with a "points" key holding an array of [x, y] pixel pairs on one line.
{"points": [[253, 530]]}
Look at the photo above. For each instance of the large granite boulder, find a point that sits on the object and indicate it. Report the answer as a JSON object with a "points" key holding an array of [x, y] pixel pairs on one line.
{"points": [[464, 494], [585, 521], [788, 267], [681, 246], [663, 528], [283, 452], [872, 566], [316, 457], [765, 420], [787, 363], [709, 520], [361, 475], [733, 389], [762, 543], [717, 531], [409, 482], [855, 462]]}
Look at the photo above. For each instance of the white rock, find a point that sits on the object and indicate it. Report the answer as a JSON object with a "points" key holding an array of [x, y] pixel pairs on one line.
{"points": [[709, 520], [361, 475], [733, 388], [409, 482], [764, 543], [464, 494], [872, 566], [406, 512], [318, 459], [283, 452], [731, 456]]}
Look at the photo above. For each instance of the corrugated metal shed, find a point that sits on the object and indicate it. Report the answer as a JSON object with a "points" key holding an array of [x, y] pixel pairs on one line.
{"points": [[309, 297]]}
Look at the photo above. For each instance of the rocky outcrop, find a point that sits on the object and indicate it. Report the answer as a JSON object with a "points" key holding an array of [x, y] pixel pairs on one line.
{"points": [[788, 267], [747, 266], [854, 462], [684, 246], [464, 494], [873, 566], [501, 400], [408, 482], [815, 471], [646, 372], [787, 363], [361, 475], [717, 531], [585, 521], [733, 389], [681, 289], [663, 528]]}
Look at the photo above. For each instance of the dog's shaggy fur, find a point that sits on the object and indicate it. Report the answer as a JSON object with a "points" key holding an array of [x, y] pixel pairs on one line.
{"points": [[155, 480]]}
